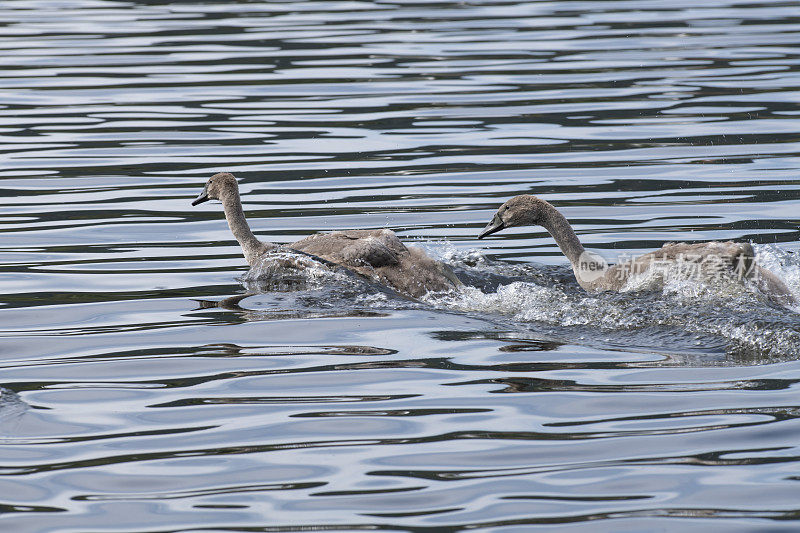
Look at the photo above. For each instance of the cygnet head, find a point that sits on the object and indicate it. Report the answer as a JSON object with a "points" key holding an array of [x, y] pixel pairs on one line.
{"points": [[522, 210], [216, 186]]}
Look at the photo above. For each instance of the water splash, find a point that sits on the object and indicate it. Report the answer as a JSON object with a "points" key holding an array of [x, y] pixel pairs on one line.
{"points": [[287, 270], [664, 311], [287, 284], [785, 264]]}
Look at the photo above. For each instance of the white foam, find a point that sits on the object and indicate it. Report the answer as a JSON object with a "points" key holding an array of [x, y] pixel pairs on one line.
{"points": [[735, 313], [785, 265], [687, 310], [286, 266]]}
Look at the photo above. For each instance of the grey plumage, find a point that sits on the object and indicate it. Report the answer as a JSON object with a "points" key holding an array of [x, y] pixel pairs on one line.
{"points": [[375, 254], [736, 259]]}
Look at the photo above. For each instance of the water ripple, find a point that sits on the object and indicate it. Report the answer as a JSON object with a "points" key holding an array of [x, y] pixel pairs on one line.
{"points": [[150, 383]]}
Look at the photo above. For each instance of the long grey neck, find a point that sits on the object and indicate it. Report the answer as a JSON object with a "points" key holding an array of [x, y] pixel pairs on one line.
{"points": [[251, 246], [562, 232]]}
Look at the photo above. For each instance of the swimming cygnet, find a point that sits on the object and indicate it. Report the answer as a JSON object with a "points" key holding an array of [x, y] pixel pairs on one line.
{"points": [[376, 254], [593, 275]]}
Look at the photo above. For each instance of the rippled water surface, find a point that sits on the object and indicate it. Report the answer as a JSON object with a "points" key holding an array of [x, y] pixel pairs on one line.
{"points": [[140, 394]]}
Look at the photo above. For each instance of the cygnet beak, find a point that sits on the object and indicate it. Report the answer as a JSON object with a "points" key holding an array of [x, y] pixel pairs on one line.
{"points": [[203, 196], [493, 227]]}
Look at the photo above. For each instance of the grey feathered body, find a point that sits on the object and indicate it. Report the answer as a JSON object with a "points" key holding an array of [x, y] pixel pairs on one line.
{"points": [[380, 255], [710, 258], [375, 254]]}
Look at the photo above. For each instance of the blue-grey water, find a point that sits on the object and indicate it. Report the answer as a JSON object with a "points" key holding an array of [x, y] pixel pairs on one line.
{"points": [[136, 397]]}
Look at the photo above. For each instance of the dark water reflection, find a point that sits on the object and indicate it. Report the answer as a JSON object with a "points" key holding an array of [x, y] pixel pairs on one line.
{"points": [[140, 392]]}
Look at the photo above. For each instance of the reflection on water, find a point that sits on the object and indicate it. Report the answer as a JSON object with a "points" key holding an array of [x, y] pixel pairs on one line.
{"points": [[147, 388]]}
